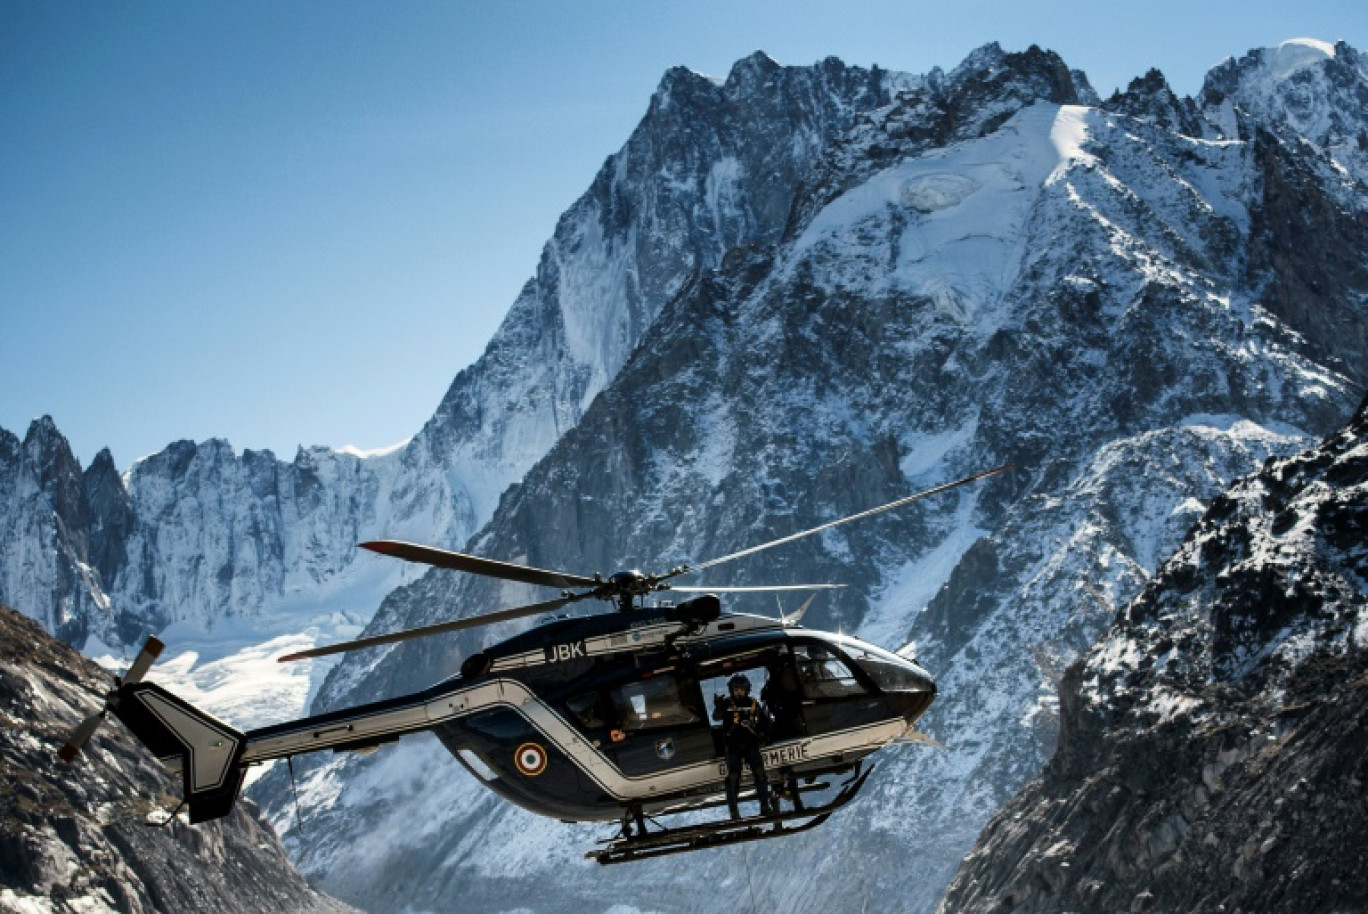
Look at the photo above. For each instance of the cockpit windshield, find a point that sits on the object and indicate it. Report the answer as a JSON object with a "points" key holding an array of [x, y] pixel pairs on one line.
{"points": [[890, 672]]}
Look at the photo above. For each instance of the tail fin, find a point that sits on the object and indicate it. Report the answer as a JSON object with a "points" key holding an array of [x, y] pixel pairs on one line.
{"points": [[207, 752]]}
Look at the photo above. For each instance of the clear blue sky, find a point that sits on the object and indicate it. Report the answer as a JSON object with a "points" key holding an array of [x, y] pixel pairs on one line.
{"points": [[295, 222]]}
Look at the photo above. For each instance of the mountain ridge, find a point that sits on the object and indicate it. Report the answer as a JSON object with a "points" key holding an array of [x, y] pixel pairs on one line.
{"points": [[293, 526]]}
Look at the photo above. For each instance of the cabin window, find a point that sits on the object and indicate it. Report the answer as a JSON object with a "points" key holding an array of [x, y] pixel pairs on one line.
{"points": [[824, 675], [718, 686], [477, 765], [651, 703]]}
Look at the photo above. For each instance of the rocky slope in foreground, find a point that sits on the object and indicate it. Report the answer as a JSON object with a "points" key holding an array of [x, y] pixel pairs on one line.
{"points": [[1212, 745], [77, 837]]}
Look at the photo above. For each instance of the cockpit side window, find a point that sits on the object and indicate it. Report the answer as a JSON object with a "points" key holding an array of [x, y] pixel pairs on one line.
{"points": [[822, 674], [651, 703]]}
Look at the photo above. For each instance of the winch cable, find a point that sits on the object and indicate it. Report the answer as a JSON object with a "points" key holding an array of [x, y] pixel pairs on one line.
{"points": [[299, 816], [745, 850]]}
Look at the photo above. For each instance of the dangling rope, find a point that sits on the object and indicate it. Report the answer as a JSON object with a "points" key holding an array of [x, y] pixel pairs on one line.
{"points": [[745, 850], [299, 817], [169, 819]]}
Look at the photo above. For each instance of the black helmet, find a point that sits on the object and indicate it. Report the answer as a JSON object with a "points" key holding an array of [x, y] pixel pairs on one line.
{"points": [[739, 682]]}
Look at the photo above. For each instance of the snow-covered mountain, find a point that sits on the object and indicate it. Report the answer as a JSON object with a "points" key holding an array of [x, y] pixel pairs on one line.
{"points": [[1211, 754], [794, 294], [239, 549], [1303, 89], [993, 267]]}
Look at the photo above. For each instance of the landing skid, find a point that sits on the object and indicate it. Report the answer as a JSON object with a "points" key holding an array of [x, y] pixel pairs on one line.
{"points": [[664, 841]]}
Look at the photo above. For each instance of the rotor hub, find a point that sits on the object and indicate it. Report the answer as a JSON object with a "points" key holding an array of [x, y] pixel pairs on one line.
{"points": [[632, 582]]}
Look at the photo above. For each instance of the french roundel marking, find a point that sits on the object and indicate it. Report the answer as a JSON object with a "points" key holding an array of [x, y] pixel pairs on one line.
{"points": [[530, 759]]}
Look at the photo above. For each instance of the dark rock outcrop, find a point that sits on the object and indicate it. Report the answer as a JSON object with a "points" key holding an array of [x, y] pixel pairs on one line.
{"points": [[1214, 744], [1148, 98]]}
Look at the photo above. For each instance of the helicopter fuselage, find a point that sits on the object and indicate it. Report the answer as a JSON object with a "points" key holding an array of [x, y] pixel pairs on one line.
{"points": [[592, 718], [581, 719]]}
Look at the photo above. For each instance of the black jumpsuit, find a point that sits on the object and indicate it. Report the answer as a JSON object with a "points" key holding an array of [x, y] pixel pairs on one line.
{"points": [[743, 724]]}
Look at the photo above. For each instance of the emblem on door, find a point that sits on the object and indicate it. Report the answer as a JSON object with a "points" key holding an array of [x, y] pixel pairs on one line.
{"points": [[665, 748]]}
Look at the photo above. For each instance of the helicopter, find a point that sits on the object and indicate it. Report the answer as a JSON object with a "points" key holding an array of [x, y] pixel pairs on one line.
{"points": [[597, 718]]}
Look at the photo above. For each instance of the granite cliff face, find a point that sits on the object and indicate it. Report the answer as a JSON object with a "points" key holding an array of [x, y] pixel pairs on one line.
{"points": [[990, 268], [79, 837], [61, 528], [1212, 744]]}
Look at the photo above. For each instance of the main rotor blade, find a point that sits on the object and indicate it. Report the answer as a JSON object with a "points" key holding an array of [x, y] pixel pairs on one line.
{"points": [[407, 634], [845, 520], [779, 588], [441, 558]]}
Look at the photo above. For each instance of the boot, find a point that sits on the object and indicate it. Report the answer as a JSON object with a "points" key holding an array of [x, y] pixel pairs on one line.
{"points": [[768, 804]]}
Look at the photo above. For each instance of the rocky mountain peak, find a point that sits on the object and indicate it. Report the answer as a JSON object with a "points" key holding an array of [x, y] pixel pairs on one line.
{"points": [[1033, 75], [45, 446], [42, 428], [1304, 88], [926, 113], [1149, 98], [1286, 61], [679, 85], [749, 71], [57, 471], [112, 517], [46, 530], [713, 165], [173, 461], [985, 58]]}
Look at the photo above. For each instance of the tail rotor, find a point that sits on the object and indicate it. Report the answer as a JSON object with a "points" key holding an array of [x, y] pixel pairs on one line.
{"points": [[86, 728]]}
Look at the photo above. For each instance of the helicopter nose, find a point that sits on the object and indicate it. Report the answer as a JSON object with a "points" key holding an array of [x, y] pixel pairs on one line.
{"points": [[907, 685], [912, 705]]}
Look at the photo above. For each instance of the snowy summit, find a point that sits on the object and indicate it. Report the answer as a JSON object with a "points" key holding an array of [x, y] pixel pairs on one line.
{"points": [[1296, 55]]}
